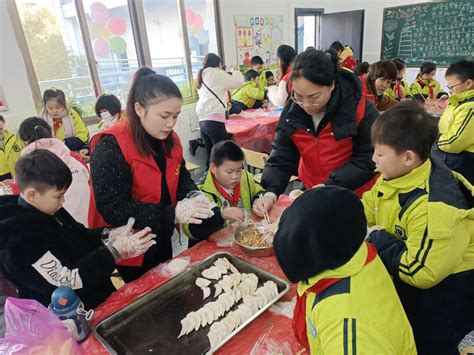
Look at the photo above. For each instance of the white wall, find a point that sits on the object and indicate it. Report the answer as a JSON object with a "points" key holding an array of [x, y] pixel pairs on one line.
{"points": [[13, 75]]}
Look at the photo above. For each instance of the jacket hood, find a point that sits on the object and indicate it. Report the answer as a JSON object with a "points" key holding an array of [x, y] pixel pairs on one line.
{"points": [[54, 145], [462, 97]]}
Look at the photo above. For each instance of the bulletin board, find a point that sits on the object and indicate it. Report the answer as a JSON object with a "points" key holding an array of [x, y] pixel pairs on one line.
{"points": [[258, 35]]}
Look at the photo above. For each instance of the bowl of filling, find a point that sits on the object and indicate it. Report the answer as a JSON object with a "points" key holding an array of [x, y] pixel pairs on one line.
{"points": [[255, 239]]}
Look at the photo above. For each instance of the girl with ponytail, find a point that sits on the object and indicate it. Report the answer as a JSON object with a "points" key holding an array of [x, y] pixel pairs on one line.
{"points": [[36, 133], [324, 130]]}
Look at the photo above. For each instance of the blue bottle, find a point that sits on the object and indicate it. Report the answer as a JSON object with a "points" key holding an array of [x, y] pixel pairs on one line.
{"points": [[70, 310]]}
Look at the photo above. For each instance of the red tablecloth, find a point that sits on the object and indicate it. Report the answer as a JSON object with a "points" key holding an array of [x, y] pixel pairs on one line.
{"points": [[254, 132], [278, 327]]}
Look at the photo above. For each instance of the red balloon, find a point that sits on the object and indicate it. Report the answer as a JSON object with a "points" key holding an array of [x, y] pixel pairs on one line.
{"points": [[198, 21], [116, 25], [189, 14]]}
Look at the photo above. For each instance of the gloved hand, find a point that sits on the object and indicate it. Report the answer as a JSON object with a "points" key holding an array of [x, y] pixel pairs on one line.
{"points": [[126, 244], [193, 210]]}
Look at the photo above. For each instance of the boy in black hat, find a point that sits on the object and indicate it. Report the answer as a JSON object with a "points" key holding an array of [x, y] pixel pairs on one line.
{"points": [[346, 301]]}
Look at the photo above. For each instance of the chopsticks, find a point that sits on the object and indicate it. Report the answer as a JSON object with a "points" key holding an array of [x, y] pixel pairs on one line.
{"points": [[265, 215]]}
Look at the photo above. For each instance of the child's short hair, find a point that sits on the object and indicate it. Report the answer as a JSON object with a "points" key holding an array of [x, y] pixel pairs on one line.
{"points": [[34, 128], [256, 60], [464, 69], [268, 74], [426, 68], [406, 126], [251, 74], [383, 69], [108, 102], [226, 150], [43, 171], [2, 119], [399, 63], [55, 94]]}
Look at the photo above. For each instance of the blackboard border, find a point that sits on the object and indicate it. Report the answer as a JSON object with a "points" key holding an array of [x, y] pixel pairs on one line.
{"points": [[401, 7]]}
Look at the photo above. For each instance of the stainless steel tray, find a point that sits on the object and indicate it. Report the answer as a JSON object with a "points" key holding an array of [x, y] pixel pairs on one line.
{"points": [[151, 324]]}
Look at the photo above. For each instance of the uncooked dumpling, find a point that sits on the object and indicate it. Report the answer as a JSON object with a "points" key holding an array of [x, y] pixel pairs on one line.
{"points": [[201, 282], [212, 273], [206, 292]]}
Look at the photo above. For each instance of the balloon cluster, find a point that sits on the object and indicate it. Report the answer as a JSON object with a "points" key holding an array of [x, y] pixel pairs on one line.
{"points": [[196, 33], [106, 31]]}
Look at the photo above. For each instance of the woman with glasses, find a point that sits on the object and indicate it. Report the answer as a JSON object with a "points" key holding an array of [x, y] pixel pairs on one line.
{"points": [[455, 146], [324, 130]]}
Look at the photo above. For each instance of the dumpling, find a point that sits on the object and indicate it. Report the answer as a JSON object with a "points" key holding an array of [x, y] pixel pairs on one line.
{"points": [[201, 282], [212, 273]]}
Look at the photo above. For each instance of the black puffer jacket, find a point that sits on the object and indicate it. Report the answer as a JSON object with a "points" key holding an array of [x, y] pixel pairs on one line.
{"points": [[36, 248], [341, 113]]}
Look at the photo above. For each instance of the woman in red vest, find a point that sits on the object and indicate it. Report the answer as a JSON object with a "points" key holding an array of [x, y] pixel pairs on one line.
{"points": [[138, 171], [324, 130]]}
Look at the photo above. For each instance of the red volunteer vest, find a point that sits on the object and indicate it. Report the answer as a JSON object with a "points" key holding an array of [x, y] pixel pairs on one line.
{"points": [[322, 155], [365, 90], [146, 175]]}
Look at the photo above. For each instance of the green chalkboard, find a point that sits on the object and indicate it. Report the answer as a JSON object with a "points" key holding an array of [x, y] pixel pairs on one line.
{"points": [[441, 32]]}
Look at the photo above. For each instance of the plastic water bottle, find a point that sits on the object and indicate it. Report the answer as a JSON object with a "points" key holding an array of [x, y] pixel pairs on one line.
{"points": [[70, 310]]}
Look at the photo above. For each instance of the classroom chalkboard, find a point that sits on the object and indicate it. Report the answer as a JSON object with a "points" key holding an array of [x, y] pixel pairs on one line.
{"points": [[441, 32]]}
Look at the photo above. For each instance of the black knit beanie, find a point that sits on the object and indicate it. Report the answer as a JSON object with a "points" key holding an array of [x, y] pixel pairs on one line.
{"points": [[321, 230]]}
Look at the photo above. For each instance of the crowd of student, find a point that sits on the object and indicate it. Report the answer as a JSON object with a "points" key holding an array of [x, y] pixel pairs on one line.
{"points": [[403, 286]]}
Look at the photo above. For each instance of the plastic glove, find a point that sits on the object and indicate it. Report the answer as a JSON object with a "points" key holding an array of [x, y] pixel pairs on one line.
{"points": [[232, 214], [192, 211], [260, 209]]}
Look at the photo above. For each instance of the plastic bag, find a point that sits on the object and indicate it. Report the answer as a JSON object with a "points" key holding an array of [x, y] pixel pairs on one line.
{"points": [[284, 308], [174, 266], [32, 329], [266, 345]]}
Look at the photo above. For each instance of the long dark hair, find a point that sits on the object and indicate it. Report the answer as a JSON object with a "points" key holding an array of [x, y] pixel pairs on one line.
{"points": [[321, 68], [148, 88], [426, 68], [33, 129], [381, 69], [287, 55], [211, 60]]}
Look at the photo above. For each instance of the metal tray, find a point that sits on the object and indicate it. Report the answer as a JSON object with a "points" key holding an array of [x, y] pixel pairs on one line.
{"points": [[151, 324]]}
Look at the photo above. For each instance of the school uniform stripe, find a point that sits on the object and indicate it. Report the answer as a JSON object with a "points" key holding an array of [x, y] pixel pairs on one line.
{"points": [[459, 131], [422, 263], [345, 336], [354, 337], [417, 257]]}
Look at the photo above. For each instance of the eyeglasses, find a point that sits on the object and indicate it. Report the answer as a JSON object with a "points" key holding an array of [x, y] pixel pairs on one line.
{"points": [[311, 103], [450, 88]]}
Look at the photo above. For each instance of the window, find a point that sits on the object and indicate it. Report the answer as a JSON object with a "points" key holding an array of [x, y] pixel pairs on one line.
{"points": [[113, 45], [57, 51], [94, 50]]}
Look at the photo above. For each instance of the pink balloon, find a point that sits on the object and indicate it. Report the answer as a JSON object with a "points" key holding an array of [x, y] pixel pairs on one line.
{"points": [[198, 21], [99, 13], [101, 47], [116, 26], [189, 14]]}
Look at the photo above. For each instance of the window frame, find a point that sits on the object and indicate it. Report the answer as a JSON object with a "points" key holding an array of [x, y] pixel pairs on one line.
{"points": [[139, 30]]}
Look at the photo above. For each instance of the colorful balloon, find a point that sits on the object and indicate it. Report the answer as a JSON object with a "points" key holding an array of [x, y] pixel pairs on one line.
{"points": [[203, 37], [116, 26], [94, 29], [99, 13], [100, 47], [118, 45], [104, 33], [194, 30], [189, 14], [198, 21], [193, 44]]}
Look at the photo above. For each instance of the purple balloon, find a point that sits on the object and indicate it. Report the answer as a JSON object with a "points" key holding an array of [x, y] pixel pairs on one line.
{"points": [[101, 47], [99, 13]]}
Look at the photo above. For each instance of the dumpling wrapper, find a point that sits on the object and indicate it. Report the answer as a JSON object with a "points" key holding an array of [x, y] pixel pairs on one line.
{"points": [[202, 282], [206, 292]]}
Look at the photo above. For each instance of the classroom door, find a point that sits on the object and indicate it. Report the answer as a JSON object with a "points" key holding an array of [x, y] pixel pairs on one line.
{"points": [[346, 27]]}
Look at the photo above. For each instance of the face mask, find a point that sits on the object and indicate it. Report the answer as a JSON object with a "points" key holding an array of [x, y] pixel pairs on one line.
{"points": [[106, 116]]}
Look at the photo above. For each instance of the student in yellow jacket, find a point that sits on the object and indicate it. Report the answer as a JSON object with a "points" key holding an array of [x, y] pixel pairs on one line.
{"points": [[66, 124], [455, 145], [425, 220], [425, 85], [10, 151], [231, 188], [346, 301], [399, 89], [245, 97]]}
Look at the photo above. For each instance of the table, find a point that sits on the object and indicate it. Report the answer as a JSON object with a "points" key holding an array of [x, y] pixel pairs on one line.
{"points": [[253, 129], [267, 326], [435, 107]]}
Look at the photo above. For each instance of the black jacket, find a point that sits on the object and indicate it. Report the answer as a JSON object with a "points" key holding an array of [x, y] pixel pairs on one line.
{"points": [[29, 235], [284, 158]]}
